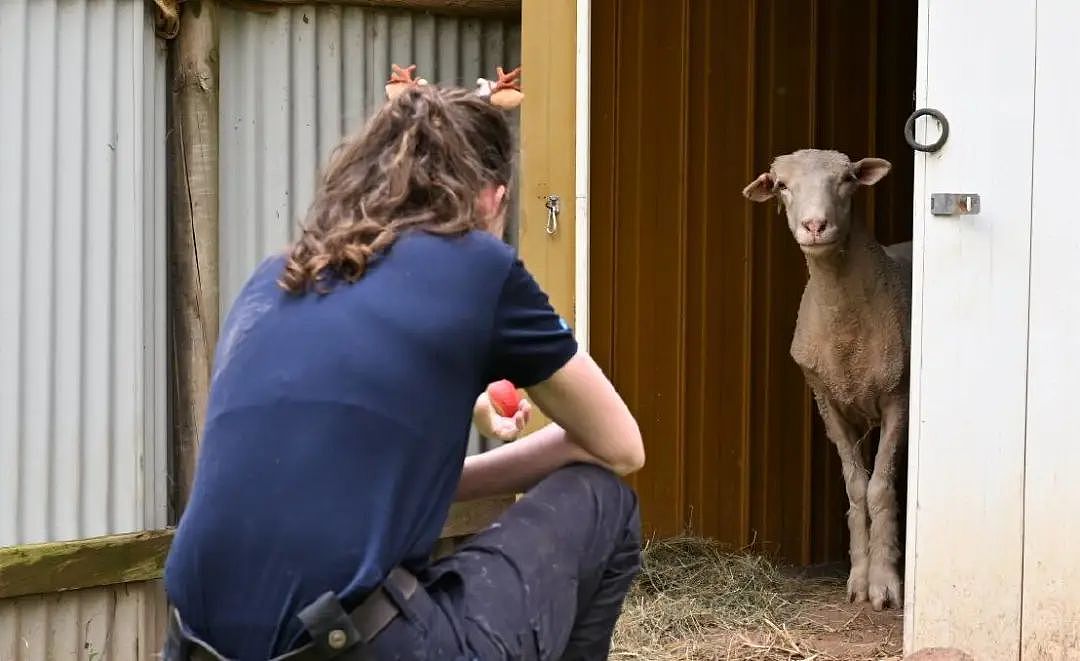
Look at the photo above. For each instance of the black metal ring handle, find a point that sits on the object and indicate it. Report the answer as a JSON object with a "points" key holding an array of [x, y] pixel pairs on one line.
{"points": [[909, 130]]}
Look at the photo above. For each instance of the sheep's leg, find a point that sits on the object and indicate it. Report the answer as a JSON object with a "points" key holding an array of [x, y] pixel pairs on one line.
{"points": [[846, 439], [881, 499]]}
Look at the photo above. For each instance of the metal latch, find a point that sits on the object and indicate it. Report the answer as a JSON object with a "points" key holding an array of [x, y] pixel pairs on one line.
{"points": [[552, 205], [954, 204]]}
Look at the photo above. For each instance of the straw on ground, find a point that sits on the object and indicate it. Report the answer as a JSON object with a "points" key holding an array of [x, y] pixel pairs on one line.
{"points": [[696, 599]]}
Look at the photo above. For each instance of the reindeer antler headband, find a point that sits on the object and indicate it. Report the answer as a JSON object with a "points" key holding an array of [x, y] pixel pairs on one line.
{"points": [[505, 92], [401, 79]]}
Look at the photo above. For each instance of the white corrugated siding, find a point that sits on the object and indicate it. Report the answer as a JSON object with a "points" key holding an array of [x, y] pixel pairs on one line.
{"points": [[82, 227], [113, 623], [294, 80]]}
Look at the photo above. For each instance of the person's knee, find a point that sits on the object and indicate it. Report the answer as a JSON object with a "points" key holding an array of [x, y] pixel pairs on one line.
{"points": [[611, 494], [596, 479]]}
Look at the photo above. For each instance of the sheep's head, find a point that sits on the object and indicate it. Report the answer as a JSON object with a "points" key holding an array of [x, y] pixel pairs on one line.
{"points": [[815, 187]]}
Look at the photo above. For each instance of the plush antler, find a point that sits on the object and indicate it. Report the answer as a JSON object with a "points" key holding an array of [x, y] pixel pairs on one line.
{"points": [[401, 79], [507, 80], [506, 92]]}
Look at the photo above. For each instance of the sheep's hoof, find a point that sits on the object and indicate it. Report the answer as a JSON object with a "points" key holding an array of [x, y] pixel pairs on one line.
{"points": [[857, 586], [885, 589]]}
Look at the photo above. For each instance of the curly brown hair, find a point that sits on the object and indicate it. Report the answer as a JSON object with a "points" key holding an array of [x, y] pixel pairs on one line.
{"points": [[419, 163]]}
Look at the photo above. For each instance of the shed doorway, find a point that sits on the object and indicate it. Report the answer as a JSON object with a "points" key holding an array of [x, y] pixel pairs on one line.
{"points": [[693, 290]]}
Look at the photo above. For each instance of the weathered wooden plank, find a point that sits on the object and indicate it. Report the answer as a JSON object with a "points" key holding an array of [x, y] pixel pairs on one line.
{"points": [[124, 622], [84, 563], [193, 277], [61, 566], [507, 8], [469, 517]]}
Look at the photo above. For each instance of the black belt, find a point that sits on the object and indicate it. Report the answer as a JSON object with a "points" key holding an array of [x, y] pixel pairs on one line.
{"points": [[334, 633]]}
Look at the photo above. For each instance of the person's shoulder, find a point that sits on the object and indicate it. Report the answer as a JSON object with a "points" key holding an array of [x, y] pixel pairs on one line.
{"points": [[271, 266], [267, 271], [474, 240], [475, 247]]}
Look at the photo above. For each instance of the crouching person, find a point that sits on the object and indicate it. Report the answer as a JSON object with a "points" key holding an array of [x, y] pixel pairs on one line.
{"points": [[346, 376]]}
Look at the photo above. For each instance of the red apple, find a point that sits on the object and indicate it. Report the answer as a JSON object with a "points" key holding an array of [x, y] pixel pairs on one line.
{"points": [[504, 397]]}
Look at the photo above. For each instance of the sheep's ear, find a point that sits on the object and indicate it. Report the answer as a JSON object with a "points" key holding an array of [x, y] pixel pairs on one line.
{"points": [[869, 171], [759, 189]]}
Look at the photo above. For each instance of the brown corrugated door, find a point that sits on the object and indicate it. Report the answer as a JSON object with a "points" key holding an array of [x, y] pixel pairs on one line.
{"points": [[693, 290]]}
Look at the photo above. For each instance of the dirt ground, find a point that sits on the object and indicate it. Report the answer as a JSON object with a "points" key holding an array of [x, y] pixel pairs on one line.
{"points": [[849, 631], [696, 600]]}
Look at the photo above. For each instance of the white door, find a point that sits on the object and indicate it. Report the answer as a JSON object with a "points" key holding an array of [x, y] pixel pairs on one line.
{"points": [[970, 329], [994, 505], [1050, 626]]}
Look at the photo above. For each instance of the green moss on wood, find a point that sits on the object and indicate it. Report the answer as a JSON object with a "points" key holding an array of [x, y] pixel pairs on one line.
{"points": [[85, 563]]}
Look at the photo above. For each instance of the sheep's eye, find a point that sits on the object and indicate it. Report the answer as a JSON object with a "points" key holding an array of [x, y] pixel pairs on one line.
{"points": [[780, 186]]}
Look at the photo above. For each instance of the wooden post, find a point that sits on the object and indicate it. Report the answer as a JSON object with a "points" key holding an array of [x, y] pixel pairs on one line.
{"points": [[548, 144], [193, 56]]}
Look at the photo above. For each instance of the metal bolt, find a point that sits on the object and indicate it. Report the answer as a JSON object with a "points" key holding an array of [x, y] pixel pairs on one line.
{"points": [[337, 639]]}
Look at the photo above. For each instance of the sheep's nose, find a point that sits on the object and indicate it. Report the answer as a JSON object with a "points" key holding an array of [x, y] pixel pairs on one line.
{"points": [[814, 225]]}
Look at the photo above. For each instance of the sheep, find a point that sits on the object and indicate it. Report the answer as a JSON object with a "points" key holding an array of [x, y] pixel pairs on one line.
{"points": [[852, 342]]}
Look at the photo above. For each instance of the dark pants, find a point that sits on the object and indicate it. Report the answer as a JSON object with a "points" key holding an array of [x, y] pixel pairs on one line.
{"points": [[546, 581]]}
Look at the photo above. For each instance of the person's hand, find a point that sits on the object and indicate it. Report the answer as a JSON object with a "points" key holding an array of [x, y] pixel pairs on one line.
{"points": [[492, 425]]}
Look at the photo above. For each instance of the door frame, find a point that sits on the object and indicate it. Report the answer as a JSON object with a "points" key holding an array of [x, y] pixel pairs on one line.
{"points": [[583, 108], [555, 152], [555, 156]]}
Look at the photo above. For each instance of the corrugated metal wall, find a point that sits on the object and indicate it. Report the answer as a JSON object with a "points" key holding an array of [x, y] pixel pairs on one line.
{"points": [[694, 290], [113, 623], [295, 79], [82, 336]]}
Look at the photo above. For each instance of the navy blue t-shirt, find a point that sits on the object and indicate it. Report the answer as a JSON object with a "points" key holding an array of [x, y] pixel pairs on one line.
{"points": [[337, 426]]}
